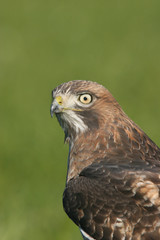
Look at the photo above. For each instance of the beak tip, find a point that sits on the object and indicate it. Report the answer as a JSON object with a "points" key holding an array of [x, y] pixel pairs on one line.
{"points": [[52, 110]]}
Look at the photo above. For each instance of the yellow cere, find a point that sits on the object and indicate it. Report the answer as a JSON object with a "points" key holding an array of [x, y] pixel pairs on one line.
{"points": [[59, 100]]}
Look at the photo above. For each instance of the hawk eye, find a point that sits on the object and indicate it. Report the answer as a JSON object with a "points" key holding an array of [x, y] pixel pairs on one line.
{"points": [[85, 98]]}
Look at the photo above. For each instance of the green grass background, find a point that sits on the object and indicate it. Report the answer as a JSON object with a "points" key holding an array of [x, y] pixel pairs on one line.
{"points": [[45, 43]]}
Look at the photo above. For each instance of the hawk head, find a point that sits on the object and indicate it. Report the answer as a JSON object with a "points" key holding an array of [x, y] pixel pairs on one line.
{"points": [[83, 105]]}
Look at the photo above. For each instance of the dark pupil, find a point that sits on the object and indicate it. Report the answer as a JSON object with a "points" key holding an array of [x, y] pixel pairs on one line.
{"points": [[85, 98]]}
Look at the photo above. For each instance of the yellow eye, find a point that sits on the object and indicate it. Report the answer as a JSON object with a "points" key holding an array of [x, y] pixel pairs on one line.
{"points": [[85, 98]]}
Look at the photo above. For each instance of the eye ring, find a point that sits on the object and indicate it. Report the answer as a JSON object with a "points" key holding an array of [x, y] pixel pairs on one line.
{"points": [[85, 98]]}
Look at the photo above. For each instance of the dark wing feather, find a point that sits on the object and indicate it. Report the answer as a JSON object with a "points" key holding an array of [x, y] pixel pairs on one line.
{"points": [[115, 202]]}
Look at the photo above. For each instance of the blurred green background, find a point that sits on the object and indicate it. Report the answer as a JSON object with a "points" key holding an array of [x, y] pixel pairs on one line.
{"points": [[45, 43]]}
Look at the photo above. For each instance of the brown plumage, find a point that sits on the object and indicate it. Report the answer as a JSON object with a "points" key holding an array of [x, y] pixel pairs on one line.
{"points": [[113, 178]]}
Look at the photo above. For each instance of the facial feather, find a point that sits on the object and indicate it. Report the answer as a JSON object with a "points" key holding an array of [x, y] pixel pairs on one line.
{"points": [[77, 117]]}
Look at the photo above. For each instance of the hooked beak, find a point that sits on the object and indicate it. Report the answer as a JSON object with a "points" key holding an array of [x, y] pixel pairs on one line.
{"points": [[56, 106], [53, 109]]}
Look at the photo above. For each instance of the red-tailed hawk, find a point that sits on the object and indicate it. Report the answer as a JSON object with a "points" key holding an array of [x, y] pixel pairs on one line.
{"points": [[113, 180]]}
